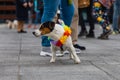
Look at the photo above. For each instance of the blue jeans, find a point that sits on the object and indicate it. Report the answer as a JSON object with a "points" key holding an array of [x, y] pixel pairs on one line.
{"points": [[38, 17], [50, 9], [116, 15]]}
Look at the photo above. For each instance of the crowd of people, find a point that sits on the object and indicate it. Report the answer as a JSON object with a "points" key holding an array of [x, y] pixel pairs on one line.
{"points": [[71, 12]]}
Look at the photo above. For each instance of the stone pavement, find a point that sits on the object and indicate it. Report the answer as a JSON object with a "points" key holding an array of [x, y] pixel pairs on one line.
{"points": [[20, 59]]}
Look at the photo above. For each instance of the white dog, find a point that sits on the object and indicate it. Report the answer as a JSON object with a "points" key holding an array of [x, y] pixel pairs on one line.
{"points": [[12, 24], [55, 31]]}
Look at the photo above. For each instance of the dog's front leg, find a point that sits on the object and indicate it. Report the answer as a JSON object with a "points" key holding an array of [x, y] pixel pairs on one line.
{"points": [[53, 54]]}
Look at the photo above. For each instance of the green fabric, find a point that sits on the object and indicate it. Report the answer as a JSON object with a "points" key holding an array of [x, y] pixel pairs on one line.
{"points": [[69, 2]]}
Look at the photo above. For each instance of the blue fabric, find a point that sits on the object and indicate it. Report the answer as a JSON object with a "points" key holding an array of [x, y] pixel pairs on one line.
{"points": [[50, 9], [116, 15]]}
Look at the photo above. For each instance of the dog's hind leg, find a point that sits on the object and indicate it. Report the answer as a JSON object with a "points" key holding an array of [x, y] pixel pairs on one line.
{"points": [[74, 55], [53, 54]]}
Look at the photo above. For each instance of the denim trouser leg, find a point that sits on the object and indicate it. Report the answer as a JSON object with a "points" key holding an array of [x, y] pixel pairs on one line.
{"points": [[115, 18], [67, 12], [50, 9]]}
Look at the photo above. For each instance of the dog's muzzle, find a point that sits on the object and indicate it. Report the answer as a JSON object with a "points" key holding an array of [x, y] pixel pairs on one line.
{"points": [[36, 33]]}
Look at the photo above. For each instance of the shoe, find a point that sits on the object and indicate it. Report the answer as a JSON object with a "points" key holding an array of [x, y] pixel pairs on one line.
{"points": [[79, 47], [22, 31], [115, 32], [105, 35], [82, 33], [43, 53], [59, 54], [66, 52], [91, 35], [78, 51], [46, 51]]}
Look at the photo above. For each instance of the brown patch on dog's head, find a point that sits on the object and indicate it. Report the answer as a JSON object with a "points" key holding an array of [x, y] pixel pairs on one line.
{"points": [[47, 27]]}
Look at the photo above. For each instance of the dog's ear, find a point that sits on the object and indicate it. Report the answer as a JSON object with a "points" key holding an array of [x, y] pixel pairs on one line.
{"points": [[48, 24]]}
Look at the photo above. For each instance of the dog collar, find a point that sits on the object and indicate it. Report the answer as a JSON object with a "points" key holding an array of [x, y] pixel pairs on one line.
{"points": [[63, 38]]}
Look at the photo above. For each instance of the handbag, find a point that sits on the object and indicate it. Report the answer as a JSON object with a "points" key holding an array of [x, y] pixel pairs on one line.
{"points": [[83, 3]]}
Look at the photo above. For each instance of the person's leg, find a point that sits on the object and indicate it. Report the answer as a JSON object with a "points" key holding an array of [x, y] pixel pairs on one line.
{"points": [[67, 12], [83, 31], [19, 26], [50, 9], [115, 18], [91, 22], [101, 15], [74, 24], [74, 28]]}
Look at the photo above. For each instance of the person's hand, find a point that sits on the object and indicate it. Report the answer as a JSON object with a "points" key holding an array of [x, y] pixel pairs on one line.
{"points": [[25, 4], [30, 4]]}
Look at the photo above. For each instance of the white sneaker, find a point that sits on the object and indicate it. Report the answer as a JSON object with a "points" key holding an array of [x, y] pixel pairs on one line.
{"points": [[66, 52], [77, 50], [43, 53], [59, 54]]}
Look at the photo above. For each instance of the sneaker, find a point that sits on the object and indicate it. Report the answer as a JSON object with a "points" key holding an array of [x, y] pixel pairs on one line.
{"points": [[105, 35], [79, 47], [77, 50], [66, 52], [46, 51], [115, 32], [82, 33], [43, 53], [58, 54]]}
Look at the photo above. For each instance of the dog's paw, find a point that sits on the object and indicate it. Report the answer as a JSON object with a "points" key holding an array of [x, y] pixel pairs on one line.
{"points": [[77, 61], [52, 61]]}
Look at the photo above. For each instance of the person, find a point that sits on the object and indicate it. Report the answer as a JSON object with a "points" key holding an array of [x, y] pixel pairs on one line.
{"points": [[74, 28], [38, 8], [22, 7], [67, 12], [100, 12], [83, 31], [116, 15]]}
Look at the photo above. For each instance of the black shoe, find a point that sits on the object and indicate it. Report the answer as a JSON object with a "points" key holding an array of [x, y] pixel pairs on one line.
{"points": [[105, 35], [79, 47], [22, 31], [82, 33], [90, 35]]}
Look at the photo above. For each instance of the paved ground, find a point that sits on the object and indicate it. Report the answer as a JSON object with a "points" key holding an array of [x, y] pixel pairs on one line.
{"points": [[20, 59]]}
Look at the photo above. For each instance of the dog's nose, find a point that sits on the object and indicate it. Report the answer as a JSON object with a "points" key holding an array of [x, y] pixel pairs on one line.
{"points": [[33, 33]]}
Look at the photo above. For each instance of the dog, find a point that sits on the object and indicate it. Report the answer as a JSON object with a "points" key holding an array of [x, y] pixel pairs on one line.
{"points": [[55, 31], [12, 24]]}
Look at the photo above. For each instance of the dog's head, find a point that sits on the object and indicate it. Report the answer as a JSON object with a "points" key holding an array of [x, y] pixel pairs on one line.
{"points": [[45, 28]]}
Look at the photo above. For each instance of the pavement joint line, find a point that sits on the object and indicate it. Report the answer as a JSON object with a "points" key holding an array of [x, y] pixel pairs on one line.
{"points": [[107, 73], [19, 76]]}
